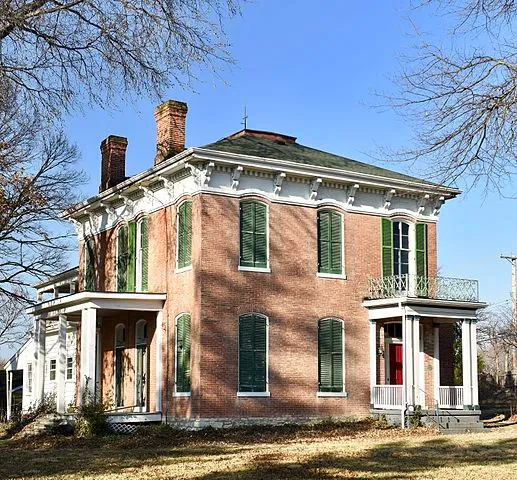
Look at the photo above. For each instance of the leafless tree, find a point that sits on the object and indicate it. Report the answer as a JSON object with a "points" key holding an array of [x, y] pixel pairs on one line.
{"points": [[461, 95], [60, 52], [14, 324]]}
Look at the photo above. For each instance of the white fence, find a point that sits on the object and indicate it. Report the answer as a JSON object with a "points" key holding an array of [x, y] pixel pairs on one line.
{"points": [[387, 396], [450, 397]]}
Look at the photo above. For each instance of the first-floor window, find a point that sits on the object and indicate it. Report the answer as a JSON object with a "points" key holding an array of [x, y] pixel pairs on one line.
{"points": [[330, 355], [120, 345], [252, 353], [183, 353], [29, 377], [69, 368], [52, 370]]}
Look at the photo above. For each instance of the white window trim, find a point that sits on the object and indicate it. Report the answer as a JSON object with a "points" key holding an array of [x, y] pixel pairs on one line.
{"points": [[50, 370], [411, 243], [175, 393], [243, 268], [341, 275], [267, 393], [30, 378], [343, 393], [186, 267], [70, 380]]}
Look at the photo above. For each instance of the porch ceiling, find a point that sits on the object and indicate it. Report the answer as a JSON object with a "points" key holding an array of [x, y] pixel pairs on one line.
{"points": [[151, 302], [447, 310]]}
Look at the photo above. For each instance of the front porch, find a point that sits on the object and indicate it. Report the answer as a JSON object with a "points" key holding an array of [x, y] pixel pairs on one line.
{"points": [[119, 350], [411, 344]]}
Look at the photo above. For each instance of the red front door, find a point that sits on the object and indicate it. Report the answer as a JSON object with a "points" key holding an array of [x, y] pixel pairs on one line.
{"points": [[395, 364]]}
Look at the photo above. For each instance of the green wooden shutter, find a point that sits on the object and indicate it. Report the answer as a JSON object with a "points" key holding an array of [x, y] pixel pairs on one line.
{"points": [[330, 242], [183, 354], [131, 262], [330, 355], [122, 259], [252, 353], [89, 271], [421, 249], [247, 237], [260, 234], [144, 252], [387, 247], [185, 235]]}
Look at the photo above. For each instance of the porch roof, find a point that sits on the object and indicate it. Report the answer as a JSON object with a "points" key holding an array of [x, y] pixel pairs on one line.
{"points": [[448, 310], [151, 302]]}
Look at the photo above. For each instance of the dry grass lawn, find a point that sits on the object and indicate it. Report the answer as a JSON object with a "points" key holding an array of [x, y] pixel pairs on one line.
{"points": [[348, 451]]}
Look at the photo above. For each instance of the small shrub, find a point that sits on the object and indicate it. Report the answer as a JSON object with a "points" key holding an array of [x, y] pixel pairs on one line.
{"points": [[415, 420], [90, 418]]}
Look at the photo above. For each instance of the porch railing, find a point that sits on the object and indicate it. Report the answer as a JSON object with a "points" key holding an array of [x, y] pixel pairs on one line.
{"points": [[387, 396], [450, 397], [438, 288]]}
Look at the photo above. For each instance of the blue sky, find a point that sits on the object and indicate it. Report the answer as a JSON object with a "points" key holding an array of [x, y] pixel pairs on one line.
{"points": [[310, 70]]}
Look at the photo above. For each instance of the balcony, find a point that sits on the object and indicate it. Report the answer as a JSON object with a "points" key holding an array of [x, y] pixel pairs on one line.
{"points": [[436, 288]]}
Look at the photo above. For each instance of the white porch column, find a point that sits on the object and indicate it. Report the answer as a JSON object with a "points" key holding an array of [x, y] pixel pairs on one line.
{"points": [[466, 362], [88, 357], [474, 363], [417, 395], [39, 360], [61, 364], [436, 364], [373, 360], [407, 367], [159, 360]]}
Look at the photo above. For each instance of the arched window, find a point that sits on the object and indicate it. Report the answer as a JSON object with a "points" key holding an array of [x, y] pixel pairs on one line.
{"points": [[183, 354], [330, 355], [253, 234], [330, 242], [401, 248], [253, 353], [120, 345], [142, 365]]}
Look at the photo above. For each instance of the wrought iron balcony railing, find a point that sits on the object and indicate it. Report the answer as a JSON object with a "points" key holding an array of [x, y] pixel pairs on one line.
{"points": [[438, 288]]}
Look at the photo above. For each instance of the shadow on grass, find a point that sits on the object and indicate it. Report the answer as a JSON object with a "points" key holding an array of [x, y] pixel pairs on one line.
{"points": [[203, 451]]}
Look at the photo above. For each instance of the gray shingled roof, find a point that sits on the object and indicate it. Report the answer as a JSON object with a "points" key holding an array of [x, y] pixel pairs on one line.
{"points": [[253, 144]]}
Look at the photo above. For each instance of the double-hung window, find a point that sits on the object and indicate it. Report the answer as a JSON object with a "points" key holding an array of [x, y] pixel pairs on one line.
{"points": [[330, 355], [253, 234], [330, 242], [132, 256], [184, 235], [69, 368], [183, 354], [253, 353], [52, 370]]}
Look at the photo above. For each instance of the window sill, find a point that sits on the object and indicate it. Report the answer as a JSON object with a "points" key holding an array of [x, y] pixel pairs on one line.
{"points": [[332, 394], [253, 394], [183, 269], [340, 276], [181, 394], [254, 269]]}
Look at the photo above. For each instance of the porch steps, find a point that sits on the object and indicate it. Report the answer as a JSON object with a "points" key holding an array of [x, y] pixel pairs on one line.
{"points": [[452, 422]]}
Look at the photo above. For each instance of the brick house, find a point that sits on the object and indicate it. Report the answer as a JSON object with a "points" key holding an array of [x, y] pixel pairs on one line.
{"points": [[257, 279]]}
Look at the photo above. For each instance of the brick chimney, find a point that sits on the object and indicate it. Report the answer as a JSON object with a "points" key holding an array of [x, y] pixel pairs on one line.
{"points": [[170, 129], [113, 165]]}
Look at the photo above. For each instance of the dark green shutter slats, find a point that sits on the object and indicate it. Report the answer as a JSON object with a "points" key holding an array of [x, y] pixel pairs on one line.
{"points": [[144, 246], [185, 235], [122, 258], [421, 249], [252, 353], [330, 355], [387, 247], [131, 257], [183, 354], [330, 242], [89, 253], [253, 234]]}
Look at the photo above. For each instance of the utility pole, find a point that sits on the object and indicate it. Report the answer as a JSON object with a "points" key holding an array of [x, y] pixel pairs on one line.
{"points": [[513, 356]]}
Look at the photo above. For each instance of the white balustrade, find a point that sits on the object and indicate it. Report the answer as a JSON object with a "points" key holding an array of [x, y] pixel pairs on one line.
{"points": [[450, 397], [387, 396]]}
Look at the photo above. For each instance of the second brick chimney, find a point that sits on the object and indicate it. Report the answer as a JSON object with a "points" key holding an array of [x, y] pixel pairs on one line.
{"points": [[113, 164], [170, 129]]}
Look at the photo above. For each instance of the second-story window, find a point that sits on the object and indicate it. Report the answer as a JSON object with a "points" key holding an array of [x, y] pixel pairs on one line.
{"points": [[184, 235], [253, 234], [400, 248], [330, 242]]}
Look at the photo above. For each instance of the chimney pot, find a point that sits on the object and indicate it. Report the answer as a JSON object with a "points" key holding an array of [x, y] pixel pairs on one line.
{"points": [[170, 129], [113, 164]]}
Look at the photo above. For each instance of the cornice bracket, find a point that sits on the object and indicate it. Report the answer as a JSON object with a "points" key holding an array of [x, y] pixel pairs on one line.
{"points": [[315, 185], [387, 198], [438, 205], [236, 175], [208, 173], [168, 185], [108, 208], [279, 179], [352, 189], [422, 203], [148, 193]]}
